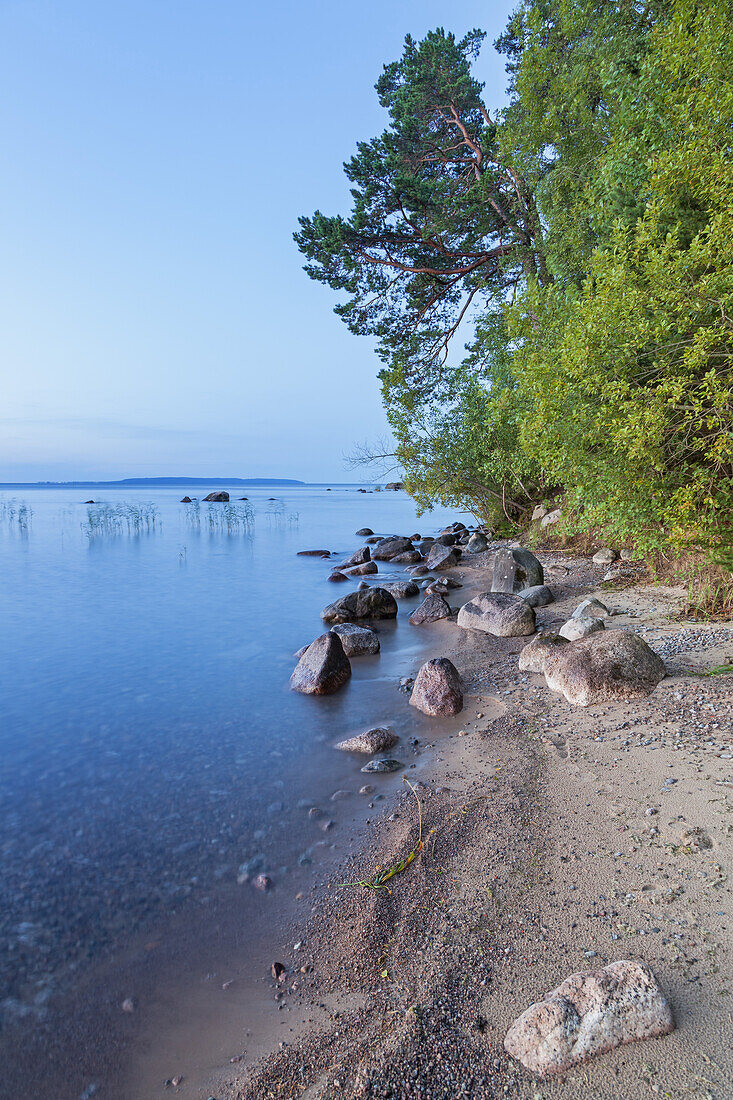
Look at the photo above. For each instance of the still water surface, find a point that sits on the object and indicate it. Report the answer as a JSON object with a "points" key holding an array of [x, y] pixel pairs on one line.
{"points": [[149, 745]]}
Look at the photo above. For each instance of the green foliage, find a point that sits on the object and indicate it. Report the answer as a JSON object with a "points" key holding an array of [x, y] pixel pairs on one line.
{"points": [[584, 237]]}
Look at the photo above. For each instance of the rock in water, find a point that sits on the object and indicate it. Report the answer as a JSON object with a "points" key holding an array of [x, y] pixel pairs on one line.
{"points": [[369, 603], [609, 665], [514, 570], [532, 657], [357, 558], [499, 613], [538, 595], [410, 557], [402, 590], [589, 1013], [336, 576], [574, 629], [357, 640], [431, 609], [377, 740], [314, 553], [389, 548], [221, 496], [186, 500], [323, 668], [362, 570], [438, 690], [383, 766], [442, 557], [363, 532]]}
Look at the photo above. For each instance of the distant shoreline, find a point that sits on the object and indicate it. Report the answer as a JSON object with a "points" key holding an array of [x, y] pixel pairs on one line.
{"points": [[151, 482]]}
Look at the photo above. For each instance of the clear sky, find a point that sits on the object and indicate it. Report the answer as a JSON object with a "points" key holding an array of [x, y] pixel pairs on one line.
{"points": [[156, 154]]}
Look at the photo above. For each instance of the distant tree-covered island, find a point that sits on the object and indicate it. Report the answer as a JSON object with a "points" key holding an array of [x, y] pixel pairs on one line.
{"points": [[152, 482]]}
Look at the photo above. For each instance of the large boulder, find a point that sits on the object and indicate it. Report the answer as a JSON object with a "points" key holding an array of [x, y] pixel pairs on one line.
{"points": [[323, 668], [575, 629], [371, 741], [539, 595], [362, 570], [589, 1013], [499, 613], [389, 548], [551, 518], [368, 603], [515, 569], [430, 610], [591, 608], [402, 590], [438, 690], [357, 558], [221, 497], [447, 538], [357, 641], [442, 557], [609, 665], [532, 657]]}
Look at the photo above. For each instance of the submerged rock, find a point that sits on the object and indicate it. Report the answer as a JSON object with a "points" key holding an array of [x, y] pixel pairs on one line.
{"points": [[499, 613], [368, 603], [589, 1013], [314, 554], [609, 665], [383, 766], [438, 690], [402, 590], [378, 739], [357, 640], [430, 610], [323, 668]]}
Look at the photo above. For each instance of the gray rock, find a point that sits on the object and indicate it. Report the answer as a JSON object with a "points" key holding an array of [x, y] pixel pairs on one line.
{"points": [[410, 557], [539, 512], [383, 766], [314, 553], [220, 497], [363, 532], [431, 609], [538, 595], [357, 641], [442, 557], [389, 548], [591, 609], [362, 585], [589, 1013], [626, 554], [477, 543], [515, 569], [551, 518], [371, 603], [419, 571], [499, 613], [574, 629], [402, 590], [532, 657], [378, 739], [438, 691], [299, 653], [448, 538], [357, 558], [609, 665], [362, 570], [373, 539], [337, 576], [605, 556], [323, 668]]}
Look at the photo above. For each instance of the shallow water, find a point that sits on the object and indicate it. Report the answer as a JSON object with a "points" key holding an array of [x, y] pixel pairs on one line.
{"points": [[149, 745]]}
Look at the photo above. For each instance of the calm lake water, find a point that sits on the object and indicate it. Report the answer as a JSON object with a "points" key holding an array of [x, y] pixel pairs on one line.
{"points": [[149, 745]]}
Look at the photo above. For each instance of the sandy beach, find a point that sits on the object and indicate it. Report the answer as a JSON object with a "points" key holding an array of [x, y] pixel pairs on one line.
{"points": [[556, 839]]}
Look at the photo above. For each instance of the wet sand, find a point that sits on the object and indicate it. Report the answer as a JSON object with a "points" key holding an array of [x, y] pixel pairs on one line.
{"points": [[557, 839]]}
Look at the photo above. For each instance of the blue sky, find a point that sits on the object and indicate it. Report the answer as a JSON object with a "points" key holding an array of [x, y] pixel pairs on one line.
{"points": [[154, 315]]}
